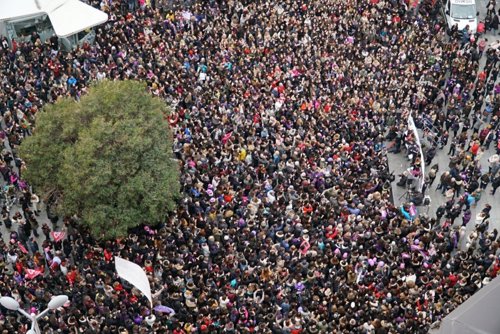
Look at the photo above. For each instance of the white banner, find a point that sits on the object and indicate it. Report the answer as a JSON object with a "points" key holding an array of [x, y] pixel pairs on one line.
{"points": [[413, 128], [135, 275]]}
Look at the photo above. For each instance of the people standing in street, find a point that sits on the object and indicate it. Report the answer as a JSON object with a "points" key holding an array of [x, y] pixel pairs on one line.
{"points": [[466, 217], [494, 23], [277, 110], [495, 184], [432, 174]]}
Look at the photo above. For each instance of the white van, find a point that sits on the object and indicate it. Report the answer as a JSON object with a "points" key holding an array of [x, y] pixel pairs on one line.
{"points": [[461, 12]]}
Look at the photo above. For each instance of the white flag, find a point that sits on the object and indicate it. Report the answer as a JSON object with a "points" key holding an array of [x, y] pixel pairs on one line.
{"points": [[135, 275], [413, 128]]}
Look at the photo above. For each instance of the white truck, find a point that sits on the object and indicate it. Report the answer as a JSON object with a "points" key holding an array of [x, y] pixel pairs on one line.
{"points": [[461, 12]]}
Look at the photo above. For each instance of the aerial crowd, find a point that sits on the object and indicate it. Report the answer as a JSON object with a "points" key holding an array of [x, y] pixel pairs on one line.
{"points": [[284, 113]]}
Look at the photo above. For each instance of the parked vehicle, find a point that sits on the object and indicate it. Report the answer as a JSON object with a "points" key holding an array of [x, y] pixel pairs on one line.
{"points": [[461, 12]]}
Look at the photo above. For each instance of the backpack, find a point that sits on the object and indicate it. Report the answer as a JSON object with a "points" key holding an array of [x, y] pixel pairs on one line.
{"points": [[478, 196]]}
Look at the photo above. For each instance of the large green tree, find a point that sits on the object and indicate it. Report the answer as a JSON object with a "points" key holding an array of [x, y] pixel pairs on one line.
{"points": [[107, 159]]}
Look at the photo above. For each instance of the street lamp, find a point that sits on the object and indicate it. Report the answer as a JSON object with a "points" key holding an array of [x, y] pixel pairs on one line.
{"points": [[12, 304]]}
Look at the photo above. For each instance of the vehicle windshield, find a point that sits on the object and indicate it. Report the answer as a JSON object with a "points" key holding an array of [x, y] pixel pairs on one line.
{"points": [[463, 11]]}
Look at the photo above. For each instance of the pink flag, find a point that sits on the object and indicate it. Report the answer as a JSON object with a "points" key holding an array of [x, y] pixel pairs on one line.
{"points": [[22, 248], [413, 211], [226, 137], [32, 273], [58, 236], [304, 247]]}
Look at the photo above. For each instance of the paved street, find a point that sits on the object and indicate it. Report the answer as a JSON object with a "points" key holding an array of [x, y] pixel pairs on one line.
{"points": [[399, 163], [42, 218]]}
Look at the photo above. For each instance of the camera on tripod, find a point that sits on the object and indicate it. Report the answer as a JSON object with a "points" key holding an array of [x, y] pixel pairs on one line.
{"points": [[411, 184]]}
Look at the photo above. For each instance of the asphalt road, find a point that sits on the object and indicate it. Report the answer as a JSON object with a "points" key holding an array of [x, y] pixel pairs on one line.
{"points": [[399, 163]]}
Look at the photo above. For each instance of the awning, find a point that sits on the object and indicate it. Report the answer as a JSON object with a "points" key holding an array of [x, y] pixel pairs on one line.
{"points": [[68, 17], [19, 9], [75, 16], [477, 315]]}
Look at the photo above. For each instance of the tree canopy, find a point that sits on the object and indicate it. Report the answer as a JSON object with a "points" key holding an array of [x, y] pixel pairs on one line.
{"points": [[108, 158]]}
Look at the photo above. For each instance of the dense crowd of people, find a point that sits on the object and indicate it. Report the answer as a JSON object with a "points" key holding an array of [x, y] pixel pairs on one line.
{"points": [[281, 112]]}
